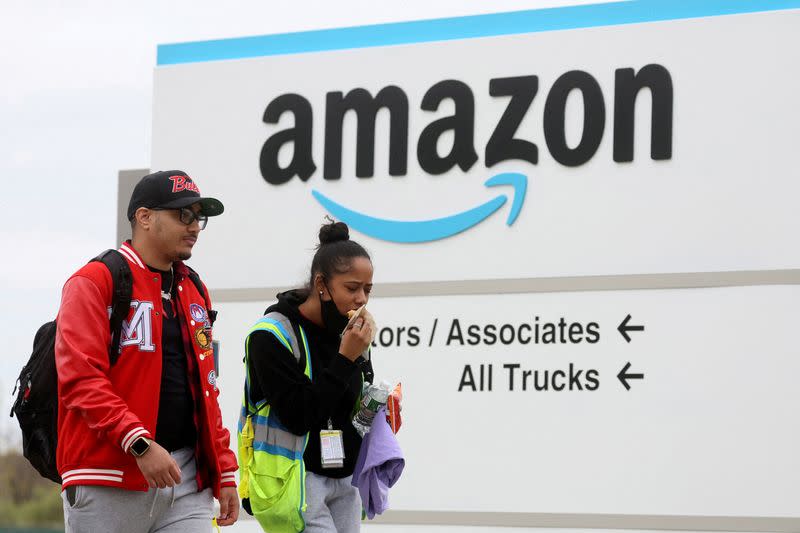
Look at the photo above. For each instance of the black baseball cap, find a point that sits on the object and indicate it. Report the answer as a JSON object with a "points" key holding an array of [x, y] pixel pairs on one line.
{"points": [[171, 189]]}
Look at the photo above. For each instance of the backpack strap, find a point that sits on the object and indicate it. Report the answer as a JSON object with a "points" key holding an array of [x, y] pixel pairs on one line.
{"points": [[212, 314], [122, 281]]}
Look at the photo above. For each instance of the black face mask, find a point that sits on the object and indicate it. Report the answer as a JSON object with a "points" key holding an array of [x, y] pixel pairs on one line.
{"points": [[332, 319]]}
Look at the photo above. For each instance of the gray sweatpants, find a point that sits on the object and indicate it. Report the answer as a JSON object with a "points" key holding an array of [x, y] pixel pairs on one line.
{"points": [[334, 505], [179, 509]]}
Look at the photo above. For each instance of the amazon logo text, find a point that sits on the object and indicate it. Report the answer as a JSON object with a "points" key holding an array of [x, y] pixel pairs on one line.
{"points": [[504, 143]]}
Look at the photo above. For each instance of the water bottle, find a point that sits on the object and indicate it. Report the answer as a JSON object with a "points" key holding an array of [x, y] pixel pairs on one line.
{"points": [[373, 398]]}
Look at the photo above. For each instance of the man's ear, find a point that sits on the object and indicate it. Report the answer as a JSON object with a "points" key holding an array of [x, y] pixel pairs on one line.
{"points": [[144, 218]]}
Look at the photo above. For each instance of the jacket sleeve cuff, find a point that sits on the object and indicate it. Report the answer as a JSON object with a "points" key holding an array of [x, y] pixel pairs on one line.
{"points": [[342, 368], [132, 435], [228, 479]]}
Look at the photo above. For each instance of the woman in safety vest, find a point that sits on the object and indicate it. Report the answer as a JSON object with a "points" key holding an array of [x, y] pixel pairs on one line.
{"points": [[306, 365]]}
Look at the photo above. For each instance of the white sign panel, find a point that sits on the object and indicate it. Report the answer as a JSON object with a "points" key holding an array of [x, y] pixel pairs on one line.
{"points": [[641, 148], [538, 403]]}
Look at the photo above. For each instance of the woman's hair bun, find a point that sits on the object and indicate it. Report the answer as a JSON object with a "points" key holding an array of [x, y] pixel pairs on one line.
{"points": [[333, 232]]}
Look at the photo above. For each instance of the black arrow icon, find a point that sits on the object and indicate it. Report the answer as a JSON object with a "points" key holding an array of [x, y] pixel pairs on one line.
{"points": [[624, 328], [623, 376]]}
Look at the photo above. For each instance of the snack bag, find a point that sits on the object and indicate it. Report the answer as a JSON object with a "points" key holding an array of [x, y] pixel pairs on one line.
{"points": [[393, 408]]}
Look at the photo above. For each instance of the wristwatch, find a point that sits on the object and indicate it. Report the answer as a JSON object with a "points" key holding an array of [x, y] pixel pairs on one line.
{"points": [[139, 447]]}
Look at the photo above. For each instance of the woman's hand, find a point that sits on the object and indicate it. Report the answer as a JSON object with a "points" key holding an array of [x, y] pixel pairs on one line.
{"points": [[357, 337], [369, 321]]}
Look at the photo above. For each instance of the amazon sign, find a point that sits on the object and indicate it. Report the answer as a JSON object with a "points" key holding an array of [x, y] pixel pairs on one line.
{"points": [[619, 138], [503, 143], [513, 175]]}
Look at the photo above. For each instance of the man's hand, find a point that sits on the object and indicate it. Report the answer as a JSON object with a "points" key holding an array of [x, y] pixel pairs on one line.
{"points": [[158, 467], [228, 506]]}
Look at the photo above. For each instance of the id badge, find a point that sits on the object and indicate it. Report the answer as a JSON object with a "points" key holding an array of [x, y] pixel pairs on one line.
{"points": [[330, 444]]}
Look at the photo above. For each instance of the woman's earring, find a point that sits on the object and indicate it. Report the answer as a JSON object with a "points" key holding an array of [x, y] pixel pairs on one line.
{"points": [[320, 293]]}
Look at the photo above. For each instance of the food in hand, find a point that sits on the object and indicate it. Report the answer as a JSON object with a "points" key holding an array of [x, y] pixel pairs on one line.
{"points": [[353, 314]]}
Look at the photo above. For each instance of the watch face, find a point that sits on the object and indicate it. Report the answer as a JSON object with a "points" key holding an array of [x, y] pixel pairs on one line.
{"points": [[139, 446]]}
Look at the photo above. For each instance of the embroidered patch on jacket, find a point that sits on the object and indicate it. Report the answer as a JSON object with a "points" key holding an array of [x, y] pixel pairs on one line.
{"points": [[203, 338], [199, 314], [138, 329]]}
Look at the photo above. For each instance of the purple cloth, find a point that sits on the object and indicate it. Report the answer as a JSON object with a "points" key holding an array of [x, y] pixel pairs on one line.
{"points": [[378, 467]]}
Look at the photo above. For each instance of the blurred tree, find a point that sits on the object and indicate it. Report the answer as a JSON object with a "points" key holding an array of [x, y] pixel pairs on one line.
{"points": [[26, 498]]}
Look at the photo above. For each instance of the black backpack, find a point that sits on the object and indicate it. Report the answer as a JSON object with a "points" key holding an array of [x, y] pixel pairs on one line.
{"points": [[36, 405]]}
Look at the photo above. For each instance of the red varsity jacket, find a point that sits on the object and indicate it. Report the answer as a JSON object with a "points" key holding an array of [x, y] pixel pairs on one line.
{"points": [[103, 409]]}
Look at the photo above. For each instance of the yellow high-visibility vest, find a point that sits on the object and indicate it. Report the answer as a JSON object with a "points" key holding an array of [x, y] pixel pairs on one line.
{"points": [[270, 456]]}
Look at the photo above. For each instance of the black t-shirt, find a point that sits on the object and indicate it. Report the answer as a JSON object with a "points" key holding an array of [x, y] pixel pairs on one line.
{"points": [[304, 406], [175, 428]]}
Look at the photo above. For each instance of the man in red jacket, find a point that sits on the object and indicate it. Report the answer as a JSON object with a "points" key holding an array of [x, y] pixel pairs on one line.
{"points": [[141, 446]]}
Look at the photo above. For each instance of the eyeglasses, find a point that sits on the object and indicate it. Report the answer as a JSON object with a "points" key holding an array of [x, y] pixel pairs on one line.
{"points": [[187, 216]]}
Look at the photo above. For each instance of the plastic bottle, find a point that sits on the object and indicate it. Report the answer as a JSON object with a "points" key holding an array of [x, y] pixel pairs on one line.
{"points": [[373, 398]]}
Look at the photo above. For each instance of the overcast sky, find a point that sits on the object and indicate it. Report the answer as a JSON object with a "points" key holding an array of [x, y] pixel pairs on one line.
{"points": [[75, 108]]}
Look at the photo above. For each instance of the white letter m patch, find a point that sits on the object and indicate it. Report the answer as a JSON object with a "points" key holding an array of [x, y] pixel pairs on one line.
{"points": [[139, 329]]}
